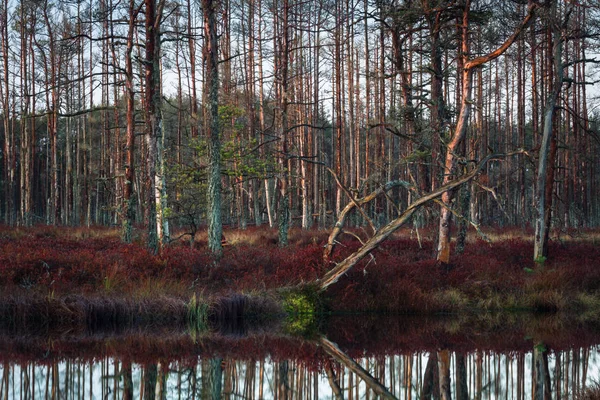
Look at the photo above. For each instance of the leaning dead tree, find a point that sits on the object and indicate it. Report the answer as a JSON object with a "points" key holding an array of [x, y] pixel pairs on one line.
{"points": [[380, 235], [337, 354]]}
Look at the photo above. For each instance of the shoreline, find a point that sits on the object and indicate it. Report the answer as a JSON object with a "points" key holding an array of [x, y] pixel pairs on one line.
{"points": [[64, 274]]}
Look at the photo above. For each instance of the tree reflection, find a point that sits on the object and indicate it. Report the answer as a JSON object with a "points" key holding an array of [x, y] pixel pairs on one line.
{"points": [[444, 374]]}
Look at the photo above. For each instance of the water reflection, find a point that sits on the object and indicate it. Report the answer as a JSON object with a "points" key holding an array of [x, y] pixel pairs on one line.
{"points": [[312, 369]]}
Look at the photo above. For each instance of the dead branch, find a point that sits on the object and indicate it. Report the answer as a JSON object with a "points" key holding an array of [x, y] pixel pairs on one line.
{"points": [[335, 352], [339, 225], [343, 267]]}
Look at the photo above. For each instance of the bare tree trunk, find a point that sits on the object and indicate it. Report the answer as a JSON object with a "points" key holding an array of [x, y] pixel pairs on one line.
{"points": [[540, 251], [338, 104], [334, 383], [193, 98], [539, 373], [52, 120], [215, 225], [282, 68], [334, 351], [149, 385], [444, 234], [462, 387], [128, 194], [26, 130], [452, 149], [8, 148], [430, 388], [443, 357], [261, 116], [154, 133], [127, 381], [349, 262]]}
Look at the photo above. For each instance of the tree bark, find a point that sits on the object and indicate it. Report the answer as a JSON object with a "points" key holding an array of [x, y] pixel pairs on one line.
{"points": [[193, 97], [443, 357], [154, 130], [544, 182], [128, 208], [282, 68], [334, 351], [343, 267], [215, 225], [452, 149]]}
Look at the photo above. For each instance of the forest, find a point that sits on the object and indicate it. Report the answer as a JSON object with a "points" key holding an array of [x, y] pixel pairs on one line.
{"points": [[179, 116]]}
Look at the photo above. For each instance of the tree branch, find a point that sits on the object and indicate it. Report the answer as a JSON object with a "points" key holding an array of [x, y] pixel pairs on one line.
{"points": [[343, 267]]}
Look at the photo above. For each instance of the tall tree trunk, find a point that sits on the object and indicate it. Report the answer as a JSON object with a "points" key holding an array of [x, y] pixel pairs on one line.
{"points": [[452, 150], [283, 219], [544, 183], [261, 116], [453, 146], [154, 129], [193, 97], [443, 357], [338, 105], [52, 81], [462, 387], [26, 127], [8, 148], [215, 225], [150, 374], [128, 195], [126, 373]]}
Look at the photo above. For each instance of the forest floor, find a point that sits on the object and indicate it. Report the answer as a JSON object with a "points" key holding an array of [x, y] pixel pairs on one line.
{"points": [[61, 276]]}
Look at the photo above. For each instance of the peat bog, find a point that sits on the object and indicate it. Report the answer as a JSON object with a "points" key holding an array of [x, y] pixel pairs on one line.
{"points": [[60, 275]]}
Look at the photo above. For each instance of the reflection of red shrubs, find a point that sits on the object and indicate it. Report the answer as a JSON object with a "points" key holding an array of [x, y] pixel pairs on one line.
{"points": [[368, 336]]}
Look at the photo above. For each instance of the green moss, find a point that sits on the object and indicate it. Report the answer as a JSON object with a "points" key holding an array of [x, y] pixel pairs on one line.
{"points": [[302, 306]]}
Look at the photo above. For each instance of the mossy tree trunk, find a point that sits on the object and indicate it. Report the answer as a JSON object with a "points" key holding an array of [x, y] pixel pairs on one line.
{"points": [[215, 224]]}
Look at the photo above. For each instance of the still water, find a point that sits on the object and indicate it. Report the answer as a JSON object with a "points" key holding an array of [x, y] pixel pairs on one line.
{"points": [[351, 358]]}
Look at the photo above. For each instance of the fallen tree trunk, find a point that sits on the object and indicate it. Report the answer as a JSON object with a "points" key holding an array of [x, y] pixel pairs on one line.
{"points": [[334, 351], [344, 266]]}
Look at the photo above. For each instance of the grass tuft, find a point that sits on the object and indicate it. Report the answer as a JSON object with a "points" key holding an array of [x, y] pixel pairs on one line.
{"points": [[197, 316]]}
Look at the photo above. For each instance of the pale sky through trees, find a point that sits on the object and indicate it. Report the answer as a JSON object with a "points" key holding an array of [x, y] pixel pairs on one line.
{"points": [[371, 90]]}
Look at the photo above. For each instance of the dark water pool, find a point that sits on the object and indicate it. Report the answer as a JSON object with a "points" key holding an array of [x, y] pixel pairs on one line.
{"points": [[350, 357]]}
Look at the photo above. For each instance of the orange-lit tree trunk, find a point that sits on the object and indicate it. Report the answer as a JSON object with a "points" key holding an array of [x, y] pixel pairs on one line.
{"points": [[128, 195], [453, 146]]}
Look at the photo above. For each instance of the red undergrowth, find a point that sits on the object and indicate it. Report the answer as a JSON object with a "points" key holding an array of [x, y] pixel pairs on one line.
{"points": [[401, 276]]}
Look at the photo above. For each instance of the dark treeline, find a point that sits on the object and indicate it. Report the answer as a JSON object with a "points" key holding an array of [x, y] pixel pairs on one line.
{"points": [[106, 117]]}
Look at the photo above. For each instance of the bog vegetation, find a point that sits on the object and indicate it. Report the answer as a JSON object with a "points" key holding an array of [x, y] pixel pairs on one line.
{"points": [[171, 119], [62, 264]]}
